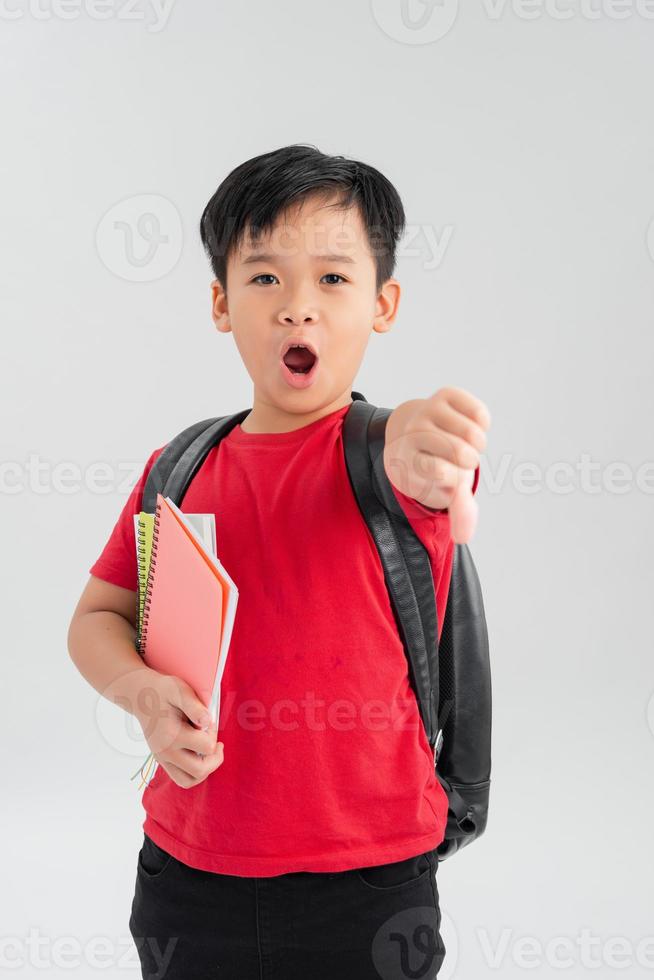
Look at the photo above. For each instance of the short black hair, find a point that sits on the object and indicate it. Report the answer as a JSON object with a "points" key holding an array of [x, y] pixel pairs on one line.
{"points": [[256, 192]]}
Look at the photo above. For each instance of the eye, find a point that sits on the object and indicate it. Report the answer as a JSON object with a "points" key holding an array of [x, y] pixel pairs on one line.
{"points": [[264, 275], [269, 275]]}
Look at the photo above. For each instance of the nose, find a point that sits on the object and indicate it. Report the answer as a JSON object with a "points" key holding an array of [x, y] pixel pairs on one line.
{"points": [[289, 317], [298, 311]]}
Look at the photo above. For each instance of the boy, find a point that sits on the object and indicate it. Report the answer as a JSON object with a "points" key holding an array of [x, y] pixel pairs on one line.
{"points": [[303, 843]]}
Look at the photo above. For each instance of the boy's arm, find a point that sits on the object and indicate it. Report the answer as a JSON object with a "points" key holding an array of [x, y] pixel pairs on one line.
{"points": [[101, 645], [102, 632], [101, 642]]}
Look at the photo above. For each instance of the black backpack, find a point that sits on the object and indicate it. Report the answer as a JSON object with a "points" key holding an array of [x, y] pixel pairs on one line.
{"points": [[451, 679]]}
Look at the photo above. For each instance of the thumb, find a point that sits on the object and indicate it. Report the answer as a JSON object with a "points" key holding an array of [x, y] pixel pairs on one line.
{"points": [[194, 709], [464, 512]]}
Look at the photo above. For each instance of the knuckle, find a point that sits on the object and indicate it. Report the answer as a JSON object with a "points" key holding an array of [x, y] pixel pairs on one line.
{"points": [[476, 436], [483, 414], [471, 434], [466, 456], [470, 459], [210, 743]]}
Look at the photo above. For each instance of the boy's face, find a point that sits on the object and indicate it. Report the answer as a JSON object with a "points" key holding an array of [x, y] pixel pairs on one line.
{"points": [[283, 287]]}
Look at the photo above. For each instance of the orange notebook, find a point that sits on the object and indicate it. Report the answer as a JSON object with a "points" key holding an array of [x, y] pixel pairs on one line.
{"points": [[189, 607]]}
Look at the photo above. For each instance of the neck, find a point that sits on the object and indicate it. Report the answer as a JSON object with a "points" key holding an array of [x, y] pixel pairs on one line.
{"points": [[267, 417]]}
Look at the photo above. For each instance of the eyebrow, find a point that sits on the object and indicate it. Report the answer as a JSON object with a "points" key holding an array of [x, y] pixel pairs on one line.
{"points": [[267, 257]]}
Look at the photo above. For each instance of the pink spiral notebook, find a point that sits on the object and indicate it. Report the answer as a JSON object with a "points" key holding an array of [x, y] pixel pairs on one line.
{"points": [[189, 608]]}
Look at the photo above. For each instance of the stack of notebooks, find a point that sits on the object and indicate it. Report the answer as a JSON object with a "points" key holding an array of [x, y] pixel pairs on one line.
{"points": [[186, 600]]}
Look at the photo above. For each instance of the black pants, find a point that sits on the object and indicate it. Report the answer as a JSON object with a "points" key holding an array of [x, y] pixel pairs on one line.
{"points": [[377, 922]]}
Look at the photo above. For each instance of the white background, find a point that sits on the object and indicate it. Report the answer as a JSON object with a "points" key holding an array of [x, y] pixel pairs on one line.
{"points": [[522, 144]]}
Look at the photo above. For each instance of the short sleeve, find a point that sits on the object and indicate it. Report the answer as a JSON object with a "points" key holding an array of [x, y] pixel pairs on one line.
{"points": [[413, 508], [432, 526], [117, 560]]}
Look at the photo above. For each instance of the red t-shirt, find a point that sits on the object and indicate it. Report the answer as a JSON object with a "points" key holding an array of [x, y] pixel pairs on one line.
{"points": [[327, 765]]}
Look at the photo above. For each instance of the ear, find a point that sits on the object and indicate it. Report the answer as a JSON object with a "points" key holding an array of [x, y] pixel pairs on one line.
{"points": [[219, 312], [387, 305]]}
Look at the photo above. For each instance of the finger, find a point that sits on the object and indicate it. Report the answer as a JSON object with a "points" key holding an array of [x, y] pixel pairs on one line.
{"points": [[207, 763], [461, 425], [216, 755], [467, 404], [180, 776], [193, 765], [438, 442], [464, 512], [213, 758], [195, 740], [184, 697]]}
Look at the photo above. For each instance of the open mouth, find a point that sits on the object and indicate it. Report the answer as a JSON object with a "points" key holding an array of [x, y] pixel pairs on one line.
{"points": [[299, 360]]}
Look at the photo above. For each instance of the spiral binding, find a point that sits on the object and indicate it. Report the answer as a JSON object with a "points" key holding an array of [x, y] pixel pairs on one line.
{"points": [[149, 766], [147, 599], [141, 561]]}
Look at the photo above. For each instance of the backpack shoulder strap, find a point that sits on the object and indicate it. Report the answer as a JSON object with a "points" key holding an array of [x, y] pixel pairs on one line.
{"points": [[405, 560], [180, 458], [451, 680]]}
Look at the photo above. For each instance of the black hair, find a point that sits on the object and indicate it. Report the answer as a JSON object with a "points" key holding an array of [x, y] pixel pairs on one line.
{"points": [[255, 193]]}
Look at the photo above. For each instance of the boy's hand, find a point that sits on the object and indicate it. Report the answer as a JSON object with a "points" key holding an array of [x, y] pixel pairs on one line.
{"points": [[173, 720], [431, 451]]}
